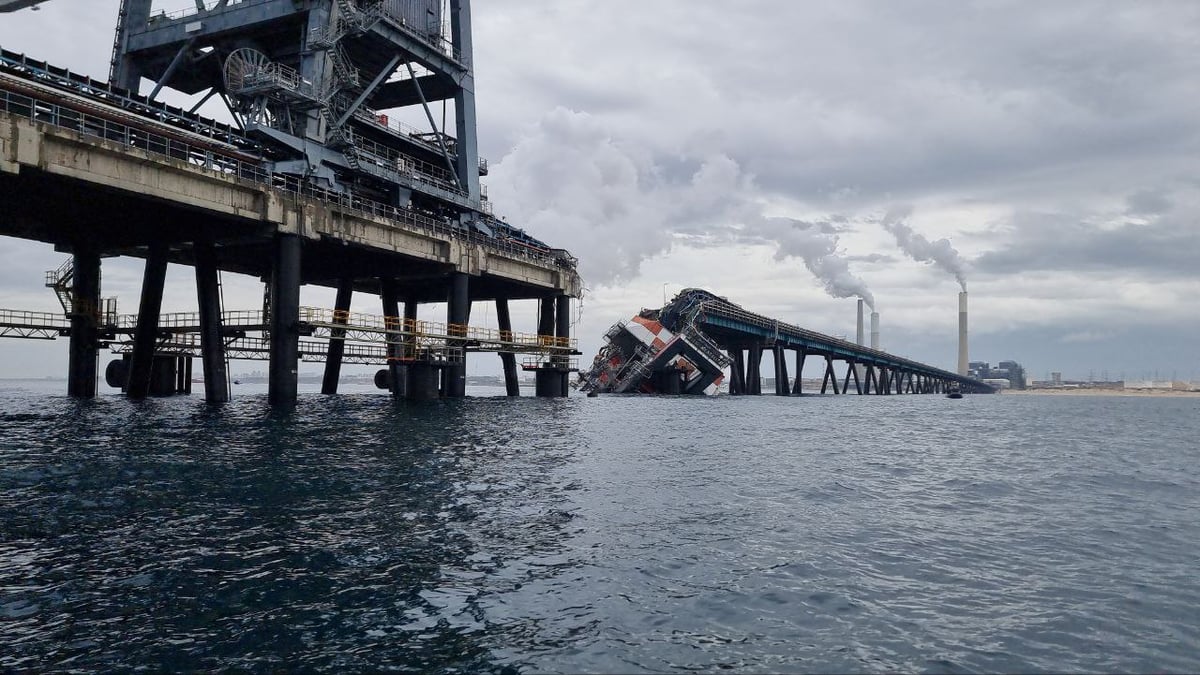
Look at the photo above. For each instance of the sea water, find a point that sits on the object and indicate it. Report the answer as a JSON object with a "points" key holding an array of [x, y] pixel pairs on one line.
{"points": [[610, 534]]}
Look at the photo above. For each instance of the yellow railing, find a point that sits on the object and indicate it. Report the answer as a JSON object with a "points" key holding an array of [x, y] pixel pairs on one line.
{"points": [[403, 327]]}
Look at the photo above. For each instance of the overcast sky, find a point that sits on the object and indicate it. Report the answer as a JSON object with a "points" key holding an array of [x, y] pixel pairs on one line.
{"points": [[793, 156]]}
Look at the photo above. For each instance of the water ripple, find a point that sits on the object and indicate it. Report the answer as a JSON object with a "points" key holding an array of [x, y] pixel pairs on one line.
{"points": [[600, 535]]}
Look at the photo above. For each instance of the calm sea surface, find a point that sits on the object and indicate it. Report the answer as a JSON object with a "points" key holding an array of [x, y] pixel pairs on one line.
{"points": [[912, 533]]}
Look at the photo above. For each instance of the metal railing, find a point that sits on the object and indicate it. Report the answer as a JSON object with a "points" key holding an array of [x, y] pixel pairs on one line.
{"points": [[186, 12], [397, 162], [732, 312], [560, 363], [17, 318]]}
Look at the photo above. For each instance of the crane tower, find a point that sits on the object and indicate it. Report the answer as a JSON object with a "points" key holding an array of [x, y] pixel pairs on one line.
{"points": [[314, 81]]}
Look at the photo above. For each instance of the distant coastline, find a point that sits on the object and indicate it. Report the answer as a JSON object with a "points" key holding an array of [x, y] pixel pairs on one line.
{"points": [[1140, 393]]}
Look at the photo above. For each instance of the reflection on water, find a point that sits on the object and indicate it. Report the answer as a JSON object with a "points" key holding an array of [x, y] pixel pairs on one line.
{"points": [[601, 535]]}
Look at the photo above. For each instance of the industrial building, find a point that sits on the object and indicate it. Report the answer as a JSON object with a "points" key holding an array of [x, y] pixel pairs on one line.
{"points": [[1010, 371]]}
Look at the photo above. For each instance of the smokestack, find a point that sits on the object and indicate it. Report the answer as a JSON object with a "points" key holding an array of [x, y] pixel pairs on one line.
{"points": [[874, 330], [962, 333], [860, 323]]}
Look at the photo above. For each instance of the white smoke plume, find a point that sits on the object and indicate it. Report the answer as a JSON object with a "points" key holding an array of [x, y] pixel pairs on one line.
{"points": [[573, 183], [817, 247], [938, 253], [616, 204]]}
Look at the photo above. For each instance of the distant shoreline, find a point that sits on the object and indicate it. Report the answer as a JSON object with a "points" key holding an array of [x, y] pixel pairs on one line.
{"points": [[1140, 393]]}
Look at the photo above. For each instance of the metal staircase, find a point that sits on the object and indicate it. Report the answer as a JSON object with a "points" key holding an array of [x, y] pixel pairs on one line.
{"points": [[60, 281]]}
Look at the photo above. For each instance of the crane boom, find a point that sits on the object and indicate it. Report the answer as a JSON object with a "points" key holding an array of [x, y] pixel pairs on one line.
{"points": [[14, 5]]}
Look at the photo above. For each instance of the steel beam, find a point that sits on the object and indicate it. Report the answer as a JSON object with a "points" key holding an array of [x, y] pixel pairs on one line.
{"points": [[283, 379], [337, 336], [467, 155], [439, 134], [145, 334], [212, 345]]}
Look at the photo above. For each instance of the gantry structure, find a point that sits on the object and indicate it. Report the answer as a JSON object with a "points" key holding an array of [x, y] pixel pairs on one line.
{"points": [[311, 79]]}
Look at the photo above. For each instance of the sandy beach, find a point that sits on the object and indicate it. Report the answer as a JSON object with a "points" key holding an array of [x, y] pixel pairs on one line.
{"points": [[1140, 393]]}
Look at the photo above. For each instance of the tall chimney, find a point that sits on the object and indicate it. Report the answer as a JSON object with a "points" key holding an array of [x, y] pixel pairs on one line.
{"points": [[874, 330], [860, 324], [962, 333]]}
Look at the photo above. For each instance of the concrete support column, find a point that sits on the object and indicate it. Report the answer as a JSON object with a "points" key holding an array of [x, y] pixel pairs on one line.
{"points": [[337, 337], [546, 383], [283, 380], [562, 331], [857, 370], [397, 373], [546, 317], [754, 371], [145, 334], [512, 384], [830, 376], [801, 355], [212, 343], [410, 320], [85, 314], [782, 386], [737, 373], [458, 312]]}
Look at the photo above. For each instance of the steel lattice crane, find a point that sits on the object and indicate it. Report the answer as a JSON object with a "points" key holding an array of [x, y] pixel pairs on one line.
{"points": [[14, 5]]}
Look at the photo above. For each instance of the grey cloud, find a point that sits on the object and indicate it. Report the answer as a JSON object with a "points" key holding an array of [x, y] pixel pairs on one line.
{"points": [[926, 97], [1164, 247], [1148, 203]]}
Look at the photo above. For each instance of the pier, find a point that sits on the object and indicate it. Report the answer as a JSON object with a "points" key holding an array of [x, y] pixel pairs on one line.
{"points": [[311, 185], [685, 347]]}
